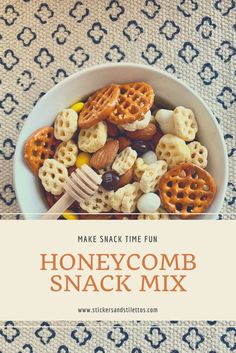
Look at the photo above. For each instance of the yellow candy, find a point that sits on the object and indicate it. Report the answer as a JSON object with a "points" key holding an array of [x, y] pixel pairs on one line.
{"points": [[77, 106], [70, 216], [83, 158]]}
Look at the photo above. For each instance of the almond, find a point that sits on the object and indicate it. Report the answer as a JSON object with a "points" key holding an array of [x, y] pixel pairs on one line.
{"points": [[105, 155], [145, 134], [123, 143], [156, 138], [126, 178], [112, 129]]}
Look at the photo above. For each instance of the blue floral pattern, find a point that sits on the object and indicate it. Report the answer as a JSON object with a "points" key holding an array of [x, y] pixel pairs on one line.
{"points": [[188, 53], [225, 51], [8, 104], [45, 333], [79, 57], [9, 332], [27, 348], [118, 335], [151, 54], [96, 32], [79, 11], [115, 10], [61, 34], [81, 334], [44, 13], [187, 7], [206, 27], [225, 6], [226, 97], [155, 337], [193, 338], [44, 58], [132, 31], [9, 15], [59, 76], [9, 60], [26, 81], [125, 337], [169, 29], [115, 54], [8, 149], [229, 338], [151, 9], [208, 74], [26, 36]]}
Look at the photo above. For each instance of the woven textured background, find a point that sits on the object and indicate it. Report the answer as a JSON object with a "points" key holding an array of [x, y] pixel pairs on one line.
{"points": [[42, 42]]}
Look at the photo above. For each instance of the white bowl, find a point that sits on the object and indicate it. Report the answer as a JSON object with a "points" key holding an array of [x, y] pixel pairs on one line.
{"points": [[167, 88]]}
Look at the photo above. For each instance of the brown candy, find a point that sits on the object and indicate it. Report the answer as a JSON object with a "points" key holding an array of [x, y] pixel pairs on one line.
{"points": [[142, 147], [110, 180]]}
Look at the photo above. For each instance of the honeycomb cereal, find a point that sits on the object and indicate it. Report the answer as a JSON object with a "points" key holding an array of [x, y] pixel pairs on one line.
{"points": [[173, 150], [139, 168], [125, 199], [92, 139], [198, 154], [66, 153], [124, 161], [53, 175], [107, 168], [65, 124], [98, 202], [185, 123], [150, 179]]}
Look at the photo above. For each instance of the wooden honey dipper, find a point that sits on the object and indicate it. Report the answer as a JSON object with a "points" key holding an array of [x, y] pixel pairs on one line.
{"points": [[81, 185]]}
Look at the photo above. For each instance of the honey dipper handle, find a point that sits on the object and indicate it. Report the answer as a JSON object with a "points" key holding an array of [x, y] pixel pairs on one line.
{"points": [[60, 206]]}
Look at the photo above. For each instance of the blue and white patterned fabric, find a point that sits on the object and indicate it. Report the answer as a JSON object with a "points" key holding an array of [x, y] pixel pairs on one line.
{"points": [[114, 337], [42, 42]]}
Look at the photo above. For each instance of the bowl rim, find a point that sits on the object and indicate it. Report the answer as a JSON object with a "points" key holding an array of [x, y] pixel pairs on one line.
{"points": [[133, 66]]}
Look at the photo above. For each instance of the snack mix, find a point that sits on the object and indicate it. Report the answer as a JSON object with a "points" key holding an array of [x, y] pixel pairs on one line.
{"points": [[151, 163]]}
